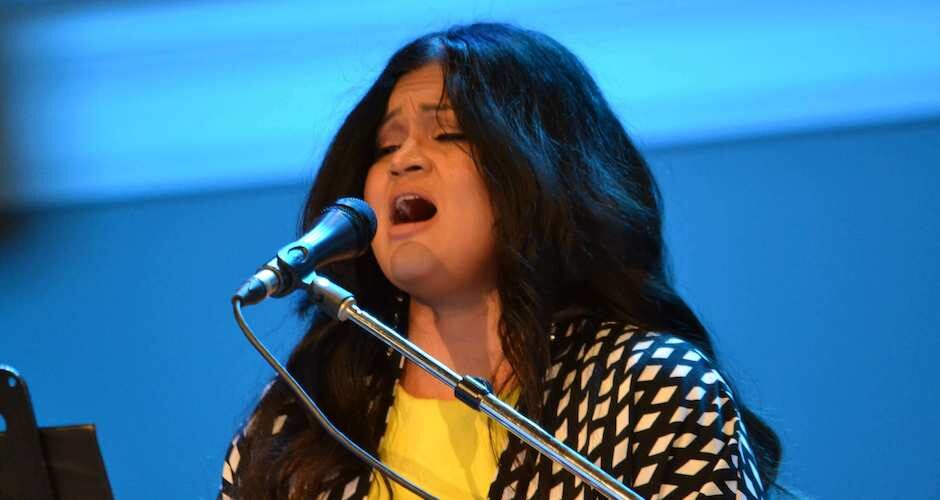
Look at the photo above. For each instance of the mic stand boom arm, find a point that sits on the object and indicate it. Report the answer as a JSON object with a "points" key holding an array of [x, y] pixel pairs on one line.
{"points": [[340, 304]]}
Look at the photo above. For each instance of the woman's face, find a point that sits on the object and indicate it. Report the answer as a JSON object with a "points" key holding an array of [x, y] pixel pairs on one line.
{"points": [[435, 237]]}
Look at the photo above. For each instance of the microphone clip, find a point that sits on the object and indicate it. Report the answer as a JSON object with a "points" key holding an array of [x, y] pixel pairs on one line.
{"points": [[328, 296]]}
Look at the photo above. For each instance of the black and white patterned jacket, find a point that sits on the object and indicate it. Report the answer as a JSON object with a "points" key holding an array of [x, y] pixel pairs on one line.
{"points": [[648, 408]]}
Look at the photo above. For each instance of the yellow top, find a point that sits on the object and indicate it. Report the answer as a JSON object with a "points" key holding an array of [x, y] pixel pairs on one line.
{"points": [[442, 446]]}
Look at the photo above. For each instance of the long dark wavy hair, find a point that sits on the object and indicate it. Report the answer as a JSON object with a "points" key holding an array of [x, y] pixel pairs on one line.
{"points": [[578, 231]]}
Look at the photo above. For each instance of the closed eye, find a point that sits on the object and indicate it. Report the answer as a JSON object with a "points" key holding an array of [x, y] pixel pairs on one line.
{"points": [[445, 137], [453, 136], [385, 150]]}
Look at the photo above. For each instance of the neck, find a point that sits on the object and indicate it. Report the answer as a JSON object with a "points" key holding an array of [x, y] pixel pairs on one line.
{"points": [[463, 336]]}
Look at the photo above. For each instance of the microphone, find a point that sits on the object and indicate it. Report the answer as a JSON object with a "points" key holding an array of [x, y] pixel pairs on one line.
{"points": [[343, 230]]}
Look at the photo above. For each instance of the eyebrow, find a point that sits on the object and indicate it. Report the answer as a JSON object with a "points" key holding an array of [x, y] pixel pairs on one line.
{"points": [[424, 108]]}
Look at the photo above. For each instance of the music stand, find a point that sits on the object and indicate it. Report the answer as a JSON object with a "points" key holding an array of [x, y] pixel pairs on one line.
{"points": [[50, 463]]}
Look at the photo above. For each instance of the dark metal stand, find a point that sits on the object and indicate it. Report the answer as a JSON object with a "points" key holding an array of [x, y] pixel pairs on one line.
{"points": [[340, 304], [57, 463]]}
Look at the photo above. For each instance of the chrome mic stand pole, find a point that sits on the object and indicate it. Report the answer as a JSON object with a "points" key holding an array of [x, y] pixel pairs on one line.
{"points": [[476, 393]]}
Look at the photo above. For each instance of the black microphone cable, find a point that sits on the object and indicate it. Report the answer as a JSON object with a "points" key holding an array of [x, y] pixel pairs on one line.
{"points": [[315, 410]]}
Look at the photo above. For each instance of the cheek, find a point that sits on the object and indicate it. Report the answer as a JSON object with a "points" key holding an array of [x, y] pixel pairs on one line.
{"points": [[476, 213], [477, 198], [372, 189], [374, 194]]}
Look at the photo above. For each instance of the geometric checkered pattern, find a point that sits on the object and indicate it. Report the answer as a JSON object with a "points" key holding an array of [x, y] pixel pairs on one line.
{"points": [[648, 408]]}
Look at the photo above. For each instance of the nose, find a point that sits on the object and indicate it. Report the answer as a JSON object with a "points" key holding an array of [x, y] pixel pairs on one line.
{"points": [[408, 159]]}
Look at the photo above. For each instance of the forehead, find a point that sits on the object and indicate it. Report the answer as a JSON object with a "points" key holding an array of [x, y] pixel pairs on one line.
{"points": [[421, 86]]}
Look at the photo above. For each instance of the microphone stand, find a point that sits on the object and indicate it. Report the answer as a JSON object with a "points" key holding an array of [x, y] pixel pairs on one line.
{"points": [[474, 392]]}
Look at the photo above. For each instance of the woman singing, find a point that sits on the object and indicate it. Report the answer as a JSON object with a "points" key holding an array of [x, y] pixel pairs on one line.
{"points": [[519, 240]]}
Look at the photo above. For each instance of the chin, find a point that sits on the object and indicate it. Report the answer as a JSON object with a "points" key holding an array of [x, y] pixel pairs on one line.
{"points": [[412, 281], [425, 282], [409, 266]]}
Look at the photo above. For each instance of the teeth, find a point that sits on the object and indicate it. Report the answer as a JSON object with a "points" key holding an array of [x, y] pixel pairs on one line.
{"points": [[401, 200], [411, 207], [406, 197]]}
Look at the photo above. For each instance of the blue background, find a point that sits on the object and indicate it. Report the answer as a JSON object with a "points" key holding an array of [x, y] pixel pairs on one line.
{"points": [[155, 154]]}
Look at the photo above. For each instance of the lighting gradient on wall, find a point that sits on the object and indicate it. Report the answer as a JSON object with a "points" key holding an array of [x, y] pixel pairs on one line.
{"points": [[118, 101]]}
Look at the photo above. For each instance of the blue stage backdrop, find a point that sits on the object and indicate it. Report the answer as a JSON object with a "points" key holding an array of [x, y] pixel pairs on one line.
{"points": [[155, 154]]}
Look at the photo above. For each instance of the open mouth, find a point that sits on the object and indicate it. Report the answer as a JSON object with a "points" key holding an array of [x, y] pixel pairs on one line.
{"points": [[408, 208]]}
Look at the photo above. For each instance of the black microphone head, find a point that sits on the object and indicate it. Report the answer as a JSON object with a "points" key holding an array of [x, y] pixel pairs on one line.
{"points": [[362, 217], [343, 230]]}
